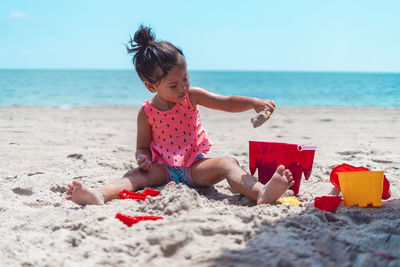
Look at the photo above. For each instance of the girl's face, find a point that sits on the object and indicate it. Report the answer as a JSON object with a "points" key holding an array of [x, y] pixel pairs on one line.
{"points": [[173, 87]]}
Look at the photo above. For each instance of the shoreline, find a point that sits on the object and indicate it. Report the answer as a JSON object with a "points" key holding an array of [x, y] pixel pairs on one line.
{"points": [[70, 107], [43, 148]]}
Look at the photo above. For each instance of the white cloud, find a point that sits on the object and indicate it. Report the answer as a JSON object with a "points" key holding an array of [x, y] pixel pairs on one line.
{"points": [[17, 15]]}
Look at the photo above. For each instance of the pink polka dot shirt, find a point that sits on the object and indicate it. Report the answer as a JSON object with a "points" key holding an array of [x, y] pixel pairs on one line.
{"points": [[177, 134]]}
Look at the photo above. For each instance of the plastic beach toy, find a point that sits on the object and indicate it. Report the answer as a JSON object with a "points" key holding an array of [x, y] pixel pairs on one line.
{"points": [[151, 192], [349, 168], [361, 188], [129, 220], [327, 203], [267, 156], [289, 200], [124, 194]]}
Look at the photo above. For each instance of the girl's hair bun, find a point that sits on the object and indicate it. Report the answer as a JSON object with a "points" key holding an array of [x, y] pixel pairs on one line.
{"points": [[143, 37], [151, 56]]}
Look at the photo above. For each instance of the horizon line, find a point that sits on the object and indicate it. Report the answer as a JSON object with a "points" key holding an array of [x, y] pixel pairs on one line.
{"points": [[212, 70]]}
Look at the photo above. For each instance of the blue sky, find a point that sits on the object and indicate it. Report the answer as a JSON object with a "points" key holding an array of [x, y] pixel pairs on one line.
{"points": [[351, 35]]}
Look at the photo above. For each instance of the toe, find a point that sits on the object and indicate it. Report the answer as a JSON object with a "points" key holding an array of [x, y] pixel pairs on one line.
{"points": [[76, 184], [280, 169], [287, 173]]}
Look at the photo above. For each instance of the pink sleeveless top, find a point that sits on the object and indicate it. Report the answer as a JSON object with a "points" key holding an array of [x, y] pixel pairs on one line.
{"points": [[177, 134]]}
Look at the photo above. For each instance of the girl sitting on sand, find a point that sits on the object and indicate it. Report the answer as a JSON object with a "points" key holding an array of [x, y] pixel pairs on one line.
{"points": [[171, 141]]}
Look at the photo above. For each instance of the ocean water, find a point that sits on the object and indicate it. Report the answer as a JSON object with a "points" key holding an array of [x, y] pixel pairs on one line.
{"points": [[123, 87]]}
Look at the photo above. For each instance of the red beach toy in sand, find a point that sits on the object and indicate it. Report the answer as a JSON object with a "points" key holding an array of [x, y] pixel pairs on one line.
{"points": [[124, 194], [267, 156], [349, 168], [327, 203], [151, 192], [129, 220]]}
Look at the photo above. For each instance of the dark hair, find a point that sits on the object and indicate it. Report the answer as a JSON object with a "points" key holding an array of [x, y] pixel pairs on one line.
{"points": [[152, 59]]}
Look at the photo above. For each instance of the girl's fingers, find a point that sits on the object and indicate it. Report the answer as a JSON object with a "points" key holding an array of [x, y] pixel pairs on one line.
{"points": [[145, 165], [142, 166], [148, 165]]}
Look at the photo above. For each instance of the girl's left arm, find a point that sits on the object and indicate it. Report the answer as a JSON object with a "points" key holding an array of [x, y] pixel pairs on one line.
{"points": [[200, 96]]}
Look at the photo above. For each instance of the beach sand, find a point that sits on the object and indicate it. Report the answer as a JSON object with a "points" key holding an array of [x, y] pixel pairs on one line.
{"points": [[42, 149]]}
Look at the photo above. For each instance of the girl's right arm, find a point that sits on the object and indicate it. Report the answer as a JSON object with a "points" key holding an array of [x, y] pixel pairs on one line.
{"points": [[143, 140]]}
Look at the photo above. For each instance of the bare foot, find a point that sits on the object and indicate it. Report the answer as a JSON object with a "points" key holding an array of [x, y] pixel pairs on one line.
{"points": [[279, 183], [83, 195]]}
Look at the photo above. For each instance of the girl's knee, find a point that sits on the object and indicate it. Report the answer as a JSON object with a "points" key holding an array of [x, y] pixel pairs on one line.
{"points": [[228, 162], [135, 177], [131, 173], [231, 160], [156, 176]]}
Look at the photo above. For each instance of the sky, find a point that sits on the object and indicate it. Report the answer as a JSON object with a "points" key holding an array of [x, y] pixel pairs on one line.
{"points": [[285, 35]]}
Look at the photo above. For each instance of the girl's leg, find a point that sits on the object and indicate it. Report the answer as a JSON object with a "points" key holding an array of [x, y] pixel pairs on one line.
{"points": [[211, 171], [133, 180]]}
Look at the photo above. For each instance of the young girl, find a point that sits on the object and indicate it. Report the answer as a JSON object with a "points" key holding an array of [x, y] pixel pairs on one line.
{"points": [[171, 141]]}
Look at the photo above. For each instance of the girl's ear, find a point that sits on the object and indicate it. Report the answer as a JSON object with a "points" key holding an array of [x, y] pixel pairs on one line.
{"points": [[150, 87]]}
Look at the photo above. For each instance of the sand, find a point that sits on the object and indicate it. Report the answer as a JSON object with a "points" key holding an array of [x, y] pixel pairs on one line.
{"points": [[42, 149]]}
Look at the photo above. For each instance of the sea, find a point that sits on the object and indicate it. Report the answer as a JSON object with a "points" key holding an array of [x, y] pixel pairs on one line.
{"points": [[41, 87]]}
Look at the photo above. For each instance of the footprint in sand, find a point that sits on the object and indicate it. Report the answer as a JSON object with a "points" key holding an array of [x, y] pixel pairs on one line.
{"points": [[38, 204], [121, 149], [23, 191], [104, 164], [349, 153], [382, 161], [11, 177], [76, 156], [35, 173], [172, 242], [74, 240], [58, 189]]}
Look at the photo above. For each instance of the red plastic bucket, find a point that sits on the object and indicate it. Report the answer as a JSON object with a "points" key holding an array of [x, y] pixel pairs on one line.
{"points": [[267, 156]]}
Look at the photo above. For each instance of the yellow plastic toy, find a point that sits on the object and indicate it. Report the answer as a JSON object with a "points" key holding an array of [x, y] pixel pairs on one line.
{"points": [[289, 200], [361, 188]]}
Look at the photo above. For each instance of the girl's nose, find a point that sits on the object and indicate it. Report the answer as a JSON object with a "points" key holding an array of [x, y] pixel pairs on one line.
{"points": [[183, 86]]}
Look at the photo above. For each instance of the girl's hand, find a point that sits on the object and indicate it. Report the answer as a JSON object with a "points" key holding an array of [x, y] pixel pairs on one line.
{"points": [[143, 162], [263, 104]]}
